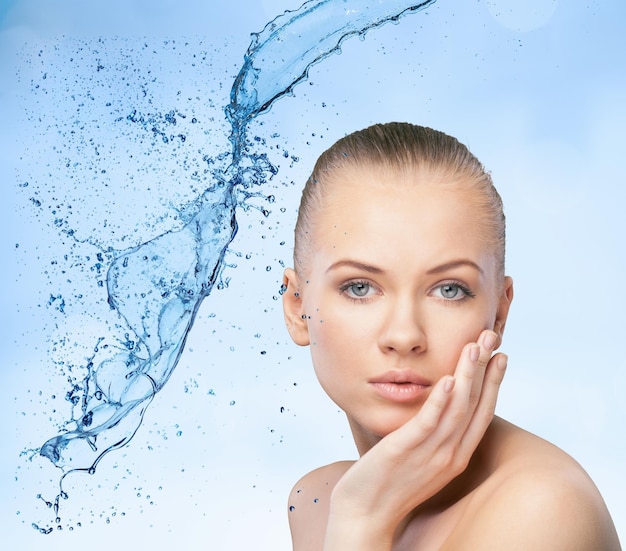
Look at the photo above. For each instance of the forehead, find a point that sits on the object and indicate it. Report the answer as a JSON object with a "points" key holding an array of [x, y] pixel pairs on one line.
{"points": [[384, 215]]}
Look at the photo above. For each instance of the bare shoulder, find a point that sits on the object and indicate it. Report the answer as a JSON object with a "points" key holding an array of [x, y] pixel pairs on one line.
{"points": [[309, 502], [537, 497]]}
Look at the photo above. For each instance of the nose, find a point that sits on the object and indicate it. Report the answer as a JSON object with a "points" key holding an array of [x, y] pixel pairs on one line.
{"points": [[402, 330]]}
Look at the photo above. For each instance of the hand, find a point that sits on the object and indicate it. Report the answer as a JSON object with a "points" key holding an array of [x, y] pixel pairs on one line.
{"points": [[417, 460]]}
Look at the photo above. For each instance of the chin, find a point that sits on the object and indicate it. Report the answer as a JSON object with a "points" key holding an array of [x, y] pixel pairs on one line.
{"points": [[383, 424]]}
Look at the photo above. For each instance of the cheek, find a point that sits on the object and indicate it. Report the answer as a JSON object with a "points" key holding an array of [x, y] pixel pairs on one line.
{"points": [[329, 333], [339, 335], [447, 338], [329, 351]]}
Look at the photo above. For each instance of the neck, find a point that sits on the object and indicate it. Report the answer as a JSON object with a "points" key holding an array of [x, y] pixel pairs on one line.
{"points": [[363, 440]]}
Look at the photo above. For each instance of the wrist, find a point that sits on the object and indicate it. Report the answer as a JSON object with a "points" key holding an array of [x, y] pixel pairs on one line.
{"points": [[352, 530], [342, 536]]}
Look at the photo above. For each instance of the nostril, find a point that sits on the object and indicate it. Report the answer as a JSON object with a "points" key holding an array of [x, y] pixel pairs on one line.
{"points": [[401, 329], [404, 348]]}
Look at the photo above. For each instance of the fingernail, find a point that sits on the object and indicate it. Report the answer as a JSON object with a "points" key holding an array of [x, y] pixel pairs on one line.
{"points": [[474, 352], [449, 384], [490, 340]]}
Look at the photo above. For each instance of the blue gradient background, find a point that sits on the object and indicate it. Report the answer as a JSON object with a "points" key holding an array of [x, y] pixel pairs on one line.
{"points": [[539, 94]]}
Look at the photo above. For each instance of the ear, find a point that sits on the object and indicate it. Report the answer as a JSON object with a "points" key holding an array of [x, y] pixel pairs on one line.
{"points": [[502, 313], [293, 309]]}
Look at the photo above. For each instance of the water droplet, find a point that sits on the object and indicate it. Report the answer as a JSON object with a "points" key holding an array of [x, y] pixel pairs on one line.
{"points": [[149, 287]]}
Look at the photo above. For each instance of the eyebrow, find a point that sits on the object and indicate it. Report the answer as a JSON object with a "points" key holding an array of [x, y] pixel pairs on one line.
{"points": [[375, 270], [354, 264], [455, 264]]}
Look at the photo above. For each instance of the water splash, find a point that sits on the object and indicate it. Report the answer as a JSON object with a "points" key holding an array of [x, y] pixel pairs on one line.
{"points": [[157, 287], [280, 56]]}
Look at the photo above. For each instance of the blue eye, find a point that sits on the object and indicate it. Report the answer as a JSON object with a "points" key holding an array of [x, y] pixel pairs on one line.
{"points": [[453, 291], [357, 290], [450, 291]]}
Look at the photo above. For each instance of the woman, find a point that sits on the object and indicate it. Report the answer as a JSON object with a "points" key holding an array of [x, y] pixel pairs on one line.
{"points": [[399, 289]]}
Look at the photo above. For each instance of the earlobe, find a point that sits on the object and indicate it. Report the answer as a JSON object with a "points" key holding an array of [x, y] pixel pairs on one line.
{"points": [[502, 313], [293, 311]]}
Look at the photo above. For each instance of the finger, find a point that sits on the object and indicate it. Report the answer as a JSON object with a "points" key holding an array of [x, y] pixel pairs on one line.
{"points": [[469, 374], [487, 342], [473, 361], [457, 415], [426, 421], [460, 405], [485, 410]]}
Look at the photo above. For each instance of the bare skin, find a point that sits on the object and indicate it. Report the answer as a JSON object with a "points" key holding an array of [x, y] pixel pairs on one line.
{"points": [[403, 307], [481, 509]]}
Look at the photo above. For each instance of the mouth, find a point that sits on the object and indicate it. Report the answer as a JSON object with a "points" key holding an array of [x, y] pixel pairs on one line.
{"points": [[401, 386]]}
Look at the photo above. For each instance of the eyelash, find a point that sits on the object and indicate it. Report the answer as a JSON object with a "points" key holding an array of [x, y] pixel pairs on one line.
{"points": [[467, 293], [346, 286]]}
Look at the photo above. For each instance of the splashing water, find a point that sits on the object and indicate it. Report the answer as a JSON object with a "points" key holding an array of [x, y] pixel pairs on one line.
{"points": [[157, 287]]}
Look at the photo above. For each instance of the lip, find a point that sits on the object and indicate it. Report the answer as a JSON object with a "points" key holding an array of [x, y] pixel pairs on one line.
{"points": [[400, 386]]}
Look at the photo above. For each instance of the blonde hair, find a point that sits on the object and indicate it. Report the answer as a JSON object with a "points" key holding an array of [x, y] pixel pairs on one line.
{"points": [[401, 147]]}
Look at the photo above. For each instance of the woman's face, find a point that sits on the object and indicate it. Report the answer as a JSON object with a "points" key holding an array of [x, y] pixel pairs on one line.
{"points": [[398, 281]]}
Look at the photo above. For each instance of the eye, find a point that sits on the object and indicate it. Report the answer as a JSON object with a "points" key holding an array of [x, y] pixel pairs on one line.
{"points": [[450, 291], [357, 290], [453, 291]]}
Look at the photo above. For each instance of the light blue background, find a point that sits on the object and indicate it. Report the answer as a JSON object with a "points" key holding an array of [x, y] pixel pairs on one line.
{"points": [[539, 94]]}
